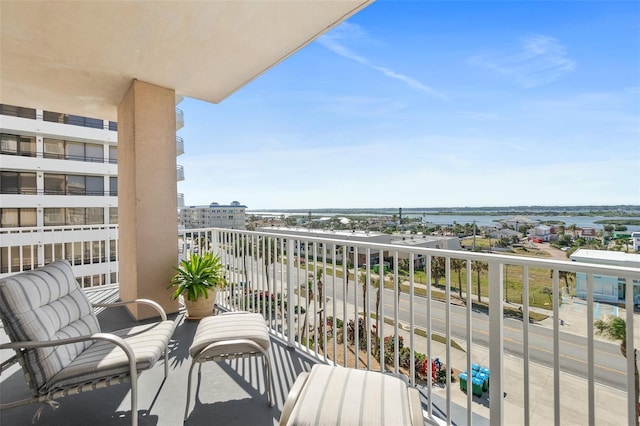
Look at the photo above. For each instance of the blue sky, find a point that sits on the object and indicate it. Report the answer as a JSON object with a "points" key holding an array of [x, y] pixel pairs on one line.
{"points": [[430, 104]]}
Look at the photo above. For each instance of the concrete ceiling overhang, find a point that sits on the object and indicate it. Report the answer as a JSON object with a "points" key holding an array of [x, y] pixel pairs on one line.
{"points": [[80, 57]]}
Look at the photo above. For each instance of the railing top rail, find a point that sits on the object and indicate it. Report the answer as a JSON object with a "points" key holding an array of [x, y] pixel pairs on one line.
{"points": [[564, 265]]}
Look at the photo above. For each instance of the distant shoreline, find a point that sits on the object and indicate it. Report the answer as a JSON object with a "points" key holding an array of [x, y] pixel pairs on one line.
{"points": [[586, 211]]}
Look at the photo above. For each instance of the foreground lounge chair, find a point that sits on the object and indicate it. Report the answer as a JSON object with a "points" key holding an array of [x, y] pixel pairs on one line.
{"points": [[329, 396], [58, 342]]}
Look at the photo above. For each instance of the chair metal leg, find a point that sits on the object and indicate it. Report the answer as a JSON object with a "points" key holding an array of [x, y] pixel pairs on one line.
{"points": [[166, 363], [267, 362], [134, 401], [186, 408]]}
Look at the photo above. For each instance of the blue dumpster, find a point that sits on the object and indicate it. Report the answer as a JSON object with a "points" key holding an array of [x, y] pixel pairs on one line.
{"points": [[475, 367], [476, 386], [463, 381], [485, 381]]}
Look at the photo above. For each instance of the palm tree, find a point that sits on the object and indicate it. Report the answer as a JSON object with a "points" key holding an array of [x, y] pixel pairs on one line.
{"points": [[615, 328], [458, 265], [266, 249], [320, 285], [479, 267], [437, 268]]}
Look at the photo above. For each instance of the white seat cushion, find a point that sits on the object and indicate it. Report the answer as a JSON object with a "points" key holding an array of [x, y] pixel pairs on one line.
{"points": [[345, 396], [231, 326], [104, 359]]}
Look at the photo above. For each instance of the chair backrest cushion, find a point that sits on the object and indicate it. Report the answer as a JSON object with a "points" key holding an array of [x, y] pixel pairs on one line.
{"points": [[43, 305]]}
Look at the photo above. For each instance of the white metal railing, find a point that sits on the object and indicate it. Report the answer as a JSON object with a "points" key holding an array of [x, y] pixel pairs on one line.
{"points": [[179, 119], [299, 284], [179, 173], [91, 249], [179, 145]]}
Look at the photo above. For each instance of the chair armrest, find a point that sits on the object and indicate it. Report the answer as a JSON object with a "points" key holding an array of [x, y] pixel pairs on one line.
{"points": [[117, 340], [148, 302], [292, 398]]}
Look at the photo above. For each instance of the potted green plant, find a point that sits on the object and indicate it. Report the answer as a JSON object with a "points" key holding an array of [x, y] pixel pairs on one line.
{"points": [[196, 279]]}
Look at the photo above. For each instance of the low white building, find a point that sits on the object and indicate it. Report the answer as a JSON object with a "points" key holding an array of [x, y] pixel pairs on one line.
{"points": [[635, 238], [214, 215], [606, 288]]}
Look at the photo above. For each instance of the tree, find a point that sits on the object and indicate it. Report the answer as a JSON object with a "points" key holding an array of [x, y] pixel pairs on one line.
{"points": [[320, 286], [458, 265], [479, 267], [437, 268], [566, 276], [615, 328]]}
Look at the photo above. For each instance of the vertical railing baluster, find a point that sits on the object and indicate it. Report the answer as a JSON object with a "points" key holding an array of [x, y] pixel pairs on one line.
{"points": [[334, 324], [469, 313], [556, 347], [525, 344], [412, 325], [290, 287], [447, 332], [396, 311], [428, 325], [356, 323], [590, 351], [496, 343], [367, 305], [381, 313], [631, 359], [345, 299]]}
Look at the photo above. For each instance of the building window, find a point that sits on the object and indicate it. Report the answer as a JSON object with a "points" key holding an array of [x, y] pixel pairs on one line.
{"points": [[76, 216], [18, 145], [75, 185], [95, 216], [113, 126], [53, 217], [113, 186], [16, 111], [78, 151], [13, 218], [74, 120], [94, 185], [93, 153], [17, 183], [113, 154], [53, 148], [55, 184], [113, 215]]}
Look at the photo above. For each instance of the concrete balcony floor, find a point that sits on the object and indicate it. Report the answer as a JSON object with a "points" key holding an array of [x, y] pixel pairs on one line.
{"points": [[226, 393]]}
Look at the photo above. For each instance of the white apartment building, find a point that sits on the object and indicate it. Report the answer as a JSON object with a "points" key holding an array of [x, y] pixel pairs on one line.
{"points": [[59, 192], [214, 215]]}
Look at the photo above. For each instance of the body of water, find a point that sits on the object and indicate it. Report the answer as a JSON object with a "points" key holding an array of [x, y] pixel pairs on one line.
{"points": [[481, 220]]}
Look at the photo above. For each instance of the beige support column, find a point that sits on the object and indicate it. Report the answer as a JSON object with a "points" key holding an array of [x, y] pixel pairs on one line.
{"points": [[147, 195]]}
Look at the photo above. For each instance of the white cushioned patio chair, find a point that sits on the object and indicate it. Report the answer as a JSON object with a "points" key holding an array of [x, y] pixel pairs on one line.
{"points": [[53, 329], [328, 396]]}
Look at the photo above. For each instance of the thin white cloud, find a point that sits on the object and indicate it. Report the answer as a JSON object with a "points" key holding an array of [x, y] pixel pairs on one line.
{"points": [[541, 60], [334, 41]]}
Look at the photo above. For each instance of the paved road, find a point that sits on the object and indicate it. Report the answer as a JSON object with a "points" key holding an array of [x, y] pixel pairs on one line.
{"points": [[609, 365]]}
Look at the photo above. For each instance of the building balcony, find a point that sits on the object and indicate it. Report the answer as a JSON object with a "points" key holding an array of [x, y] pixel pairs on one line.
{"points": [[179, 146], [180, 173], [179, 119], [542, 371], [180, 200]]}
